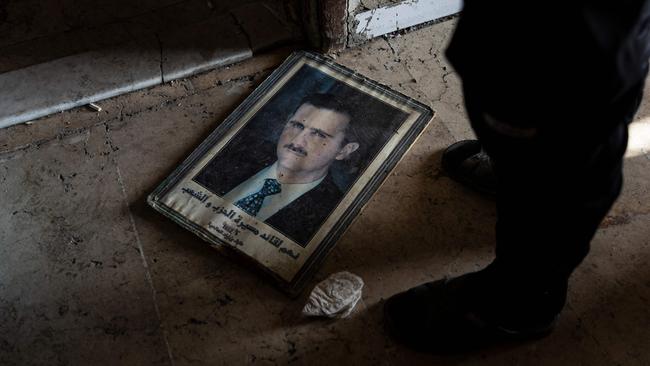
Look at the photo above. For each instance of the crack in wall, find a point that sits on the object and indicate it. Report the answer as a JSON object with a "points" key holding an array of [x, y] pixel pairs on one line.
{"points": [[365, 27], [243, 30], [161, 61]]}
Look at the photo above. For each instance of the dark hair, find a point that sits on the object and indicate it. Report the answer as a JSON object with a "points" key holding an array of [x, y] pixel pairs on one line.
{"points": [[333, 103]]}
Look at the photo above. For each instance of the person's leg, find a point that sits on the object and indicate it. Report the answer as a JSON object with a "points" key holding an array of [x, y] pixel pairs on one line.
{"points": [[554, 188]]}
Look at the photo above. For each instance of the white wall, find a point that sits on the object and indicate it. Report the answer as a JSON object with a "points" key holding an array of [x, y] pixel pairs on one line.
{"points": [[372, 23]]}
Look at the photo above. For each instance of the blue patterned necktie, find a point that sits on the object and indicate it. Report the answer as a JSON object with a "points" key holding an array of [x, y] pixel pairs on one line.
{"points": [[252, 203]]}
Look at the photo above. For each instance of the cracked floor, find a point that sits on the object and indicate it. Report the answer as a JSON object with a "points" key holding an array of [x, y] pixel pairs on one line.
{"points": [[89, 274]]}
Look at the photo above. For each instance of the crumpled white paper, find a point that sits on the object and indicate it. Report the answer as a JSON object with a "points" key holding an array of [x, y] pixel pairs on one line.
{"points": [[334, 297]]}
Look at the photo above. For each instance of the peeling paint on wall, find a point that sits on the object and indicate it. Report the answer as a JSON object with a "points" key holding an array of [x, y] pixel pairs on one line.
{"points": [[368, 19], [353, 5]]}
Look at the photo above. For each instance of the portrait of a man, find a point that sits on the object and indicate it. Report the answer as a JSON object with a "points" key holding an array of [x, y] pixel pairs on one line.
{"points": [[297, 183], [291, 165], [281, 178]]}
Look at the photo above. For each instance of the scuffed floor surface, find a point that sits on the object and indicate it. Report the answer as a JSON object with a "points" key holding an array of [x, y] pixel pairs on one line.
{"points": [[90, 275]]}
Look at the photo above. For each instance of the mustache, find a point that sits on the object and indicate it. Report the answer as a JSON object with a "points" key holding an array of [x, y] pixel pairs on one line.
{"points": [[296, 149]]}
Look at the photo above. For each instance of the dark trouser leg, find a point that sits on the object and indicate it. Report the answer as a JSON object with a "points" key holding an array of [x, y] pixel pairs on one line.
{"points": [[555, 187]]}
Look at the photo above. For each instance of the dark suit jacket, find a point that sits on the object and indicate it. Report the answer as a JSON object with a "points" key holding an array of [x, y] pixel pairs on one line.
{"points": [[300, 219]]}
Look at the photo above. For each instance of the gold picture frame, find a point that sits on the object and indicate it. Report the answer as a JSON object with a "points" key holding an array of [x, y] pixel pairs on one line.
{"points": [[380, 126]]}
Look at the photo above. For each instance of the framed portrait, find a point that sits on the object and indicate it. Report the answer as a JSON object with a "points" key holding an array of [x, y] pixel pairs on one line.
{"points": [[280, 179]]}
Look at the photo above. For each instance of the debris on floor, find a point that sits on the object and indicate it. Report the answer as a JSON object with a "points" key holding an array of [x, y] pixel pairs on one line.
{"points": [[94, 107], [334, 297]]}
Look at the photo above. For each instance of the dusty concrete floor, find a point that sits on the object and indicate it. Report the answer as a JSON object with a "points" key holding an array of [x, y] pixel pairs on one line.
{"points": [[90, 275]]}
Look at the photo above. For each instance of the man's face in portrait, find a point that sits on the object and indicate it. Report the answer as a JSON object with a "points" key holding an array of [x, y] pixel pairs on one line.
{"points": [[311, 140]]}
